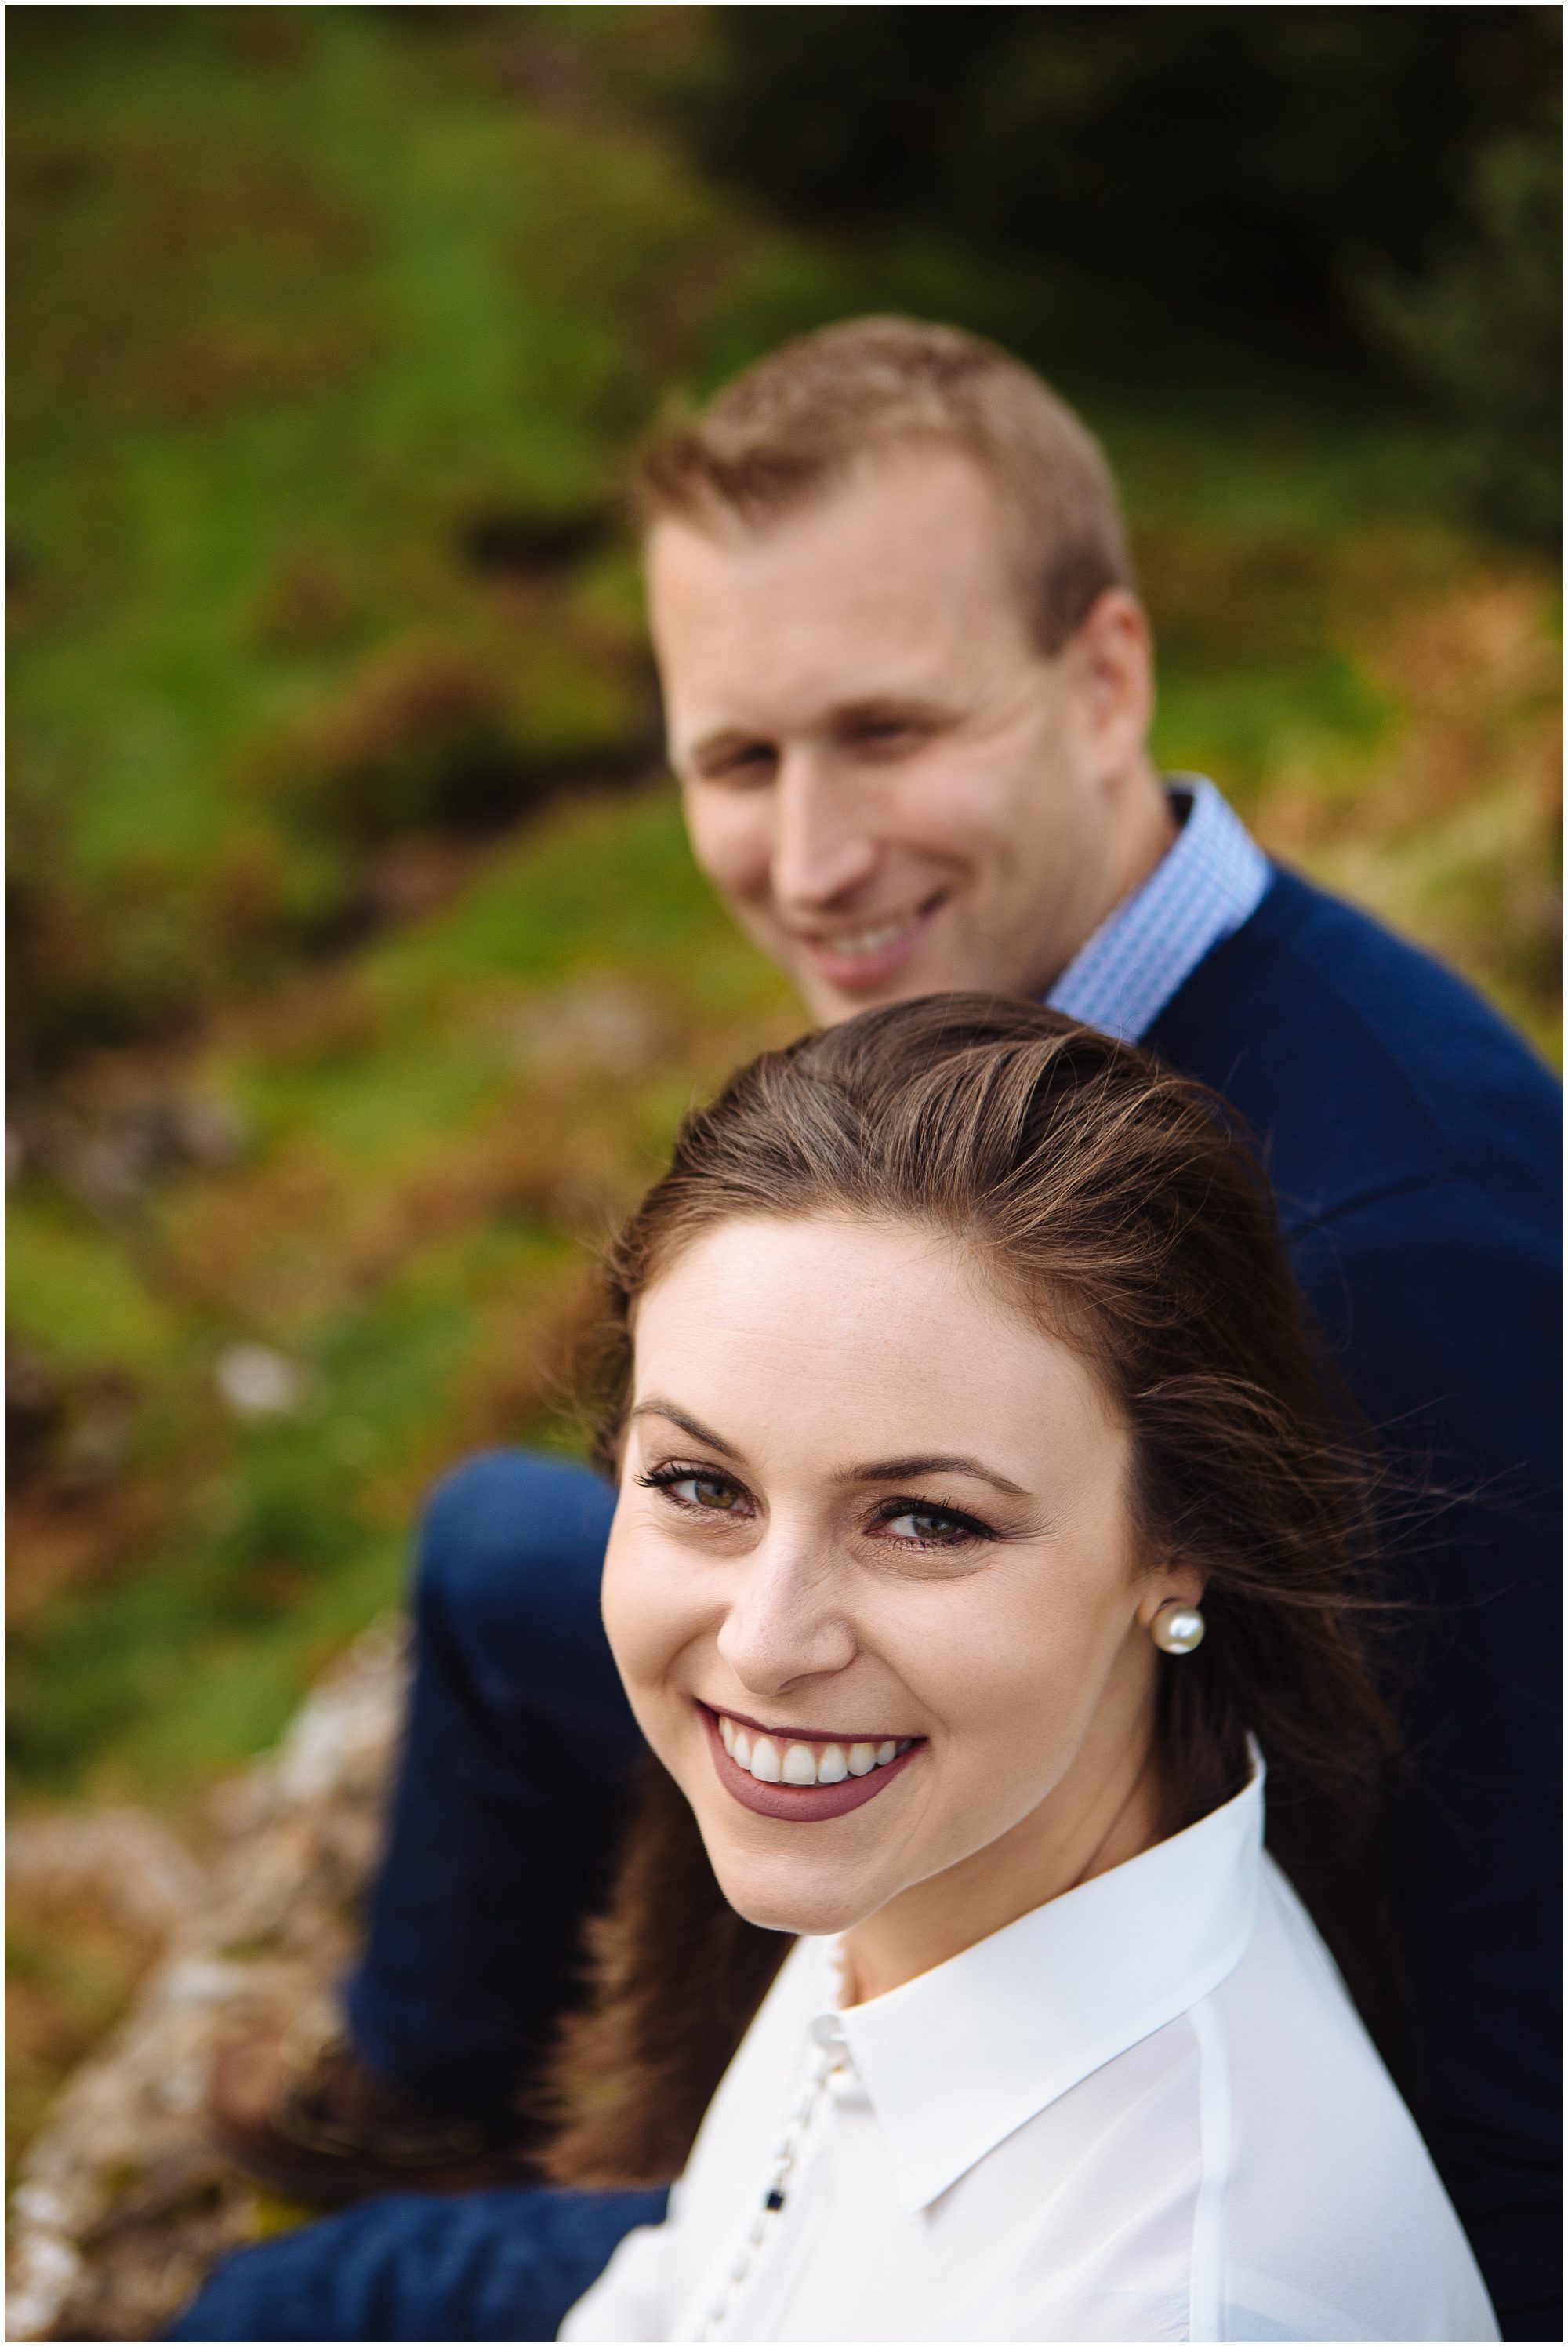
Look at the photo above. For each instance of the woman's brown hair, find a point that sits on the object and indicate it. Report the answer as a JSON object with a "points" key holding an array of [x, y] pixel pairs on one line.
{"points": [[1113, 1202]]}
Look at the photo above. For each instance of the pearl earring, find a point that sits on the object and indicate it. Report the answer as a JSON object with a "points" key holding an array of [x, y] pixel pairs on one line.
{"points": [[1177, 1627]]}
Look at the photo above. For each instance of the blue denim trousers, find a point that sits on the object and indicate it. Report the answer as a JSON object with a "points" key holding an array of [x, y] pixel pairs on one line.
{"points": [[490, 2265], [512, 1788]]}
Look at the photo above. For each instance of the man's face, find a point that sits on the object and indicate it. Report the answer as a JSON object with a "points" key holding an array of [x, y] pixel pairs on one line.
{"points": [[892, 789]]}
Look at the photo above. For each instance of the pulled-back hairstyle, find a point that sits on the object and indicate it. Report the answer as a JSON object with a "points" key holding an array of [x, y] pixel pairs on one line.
{"points": [[1110, 1201], [797, 424]]}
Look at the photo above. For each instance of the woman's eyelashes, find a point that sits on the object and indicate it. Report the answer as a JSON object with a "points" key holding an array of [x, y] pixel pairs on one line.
{"points": [[928, 1526], [704, 1491], [904, 1522]]}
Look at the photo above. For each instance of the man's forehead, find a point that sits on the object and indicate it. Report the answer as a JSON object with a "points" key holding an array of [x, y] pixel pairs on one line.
{"points": [[906, 501], [869, 595]]}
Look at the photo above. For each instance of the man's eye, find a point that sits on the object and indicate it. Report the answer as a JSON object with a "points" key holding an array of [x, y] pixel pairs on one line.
{"points": [[751, 765], [886, 740]]}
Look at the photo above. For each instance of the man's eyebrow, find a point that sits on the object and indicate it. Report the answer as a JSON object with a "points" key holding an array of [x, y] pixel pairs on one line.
{"points": [[884, 708], [931, 1463], [657, 1407], [721, 741]]}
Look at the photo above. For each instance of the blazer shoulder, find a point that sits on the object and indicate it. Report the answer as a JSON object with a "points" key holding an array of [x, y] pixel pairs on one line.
{"points": [[1360, 1063]]}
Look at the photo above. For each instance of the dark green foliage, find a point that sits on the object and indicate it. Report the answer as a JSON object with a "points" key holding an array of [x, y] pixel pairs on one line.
{"points": [[1480, 329], [1187, 168]]}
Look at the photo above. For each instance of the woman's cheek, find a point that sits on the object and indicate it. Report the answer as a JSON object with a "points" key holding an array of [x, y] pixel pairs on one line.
{"points": [[1015, 1689], [628, 1602], [645, 1613]]}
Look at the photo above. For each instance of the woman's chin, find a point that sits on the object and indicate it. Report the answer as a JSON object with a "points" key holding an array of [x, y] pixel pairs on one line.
{"points": [[788, 1898]]}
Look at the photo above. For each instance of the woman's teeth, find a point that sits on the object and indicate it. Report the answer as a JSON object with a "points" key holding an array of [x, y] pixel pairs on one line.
{"points": [[762, 1756]]}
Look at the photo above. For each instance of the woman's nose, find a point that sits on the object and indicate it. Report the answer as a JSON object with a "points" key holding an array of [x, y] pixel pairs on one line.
{"points": [[786, 1622]]}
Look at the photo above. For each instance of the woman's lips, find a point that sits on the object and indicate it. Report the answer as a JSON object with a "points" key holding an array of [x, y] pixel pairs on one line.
{"points": [[800, 1804]]}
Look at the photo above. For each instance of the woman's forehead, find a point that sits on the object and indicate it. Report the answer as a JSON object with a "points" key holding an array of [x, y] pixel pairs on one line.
{"points": [[855, 1332]]}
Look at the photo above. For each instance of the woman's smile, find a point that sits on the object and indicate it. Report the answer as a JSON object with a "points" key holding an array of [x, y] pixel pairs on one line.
{"points": [[799, 1776]]}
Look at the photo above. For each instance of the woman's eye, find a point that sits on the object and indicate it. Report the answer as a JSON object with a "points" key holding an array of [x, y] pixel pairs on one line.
{"points": [[707, 1491], [931, 1527], [712, 1493]]}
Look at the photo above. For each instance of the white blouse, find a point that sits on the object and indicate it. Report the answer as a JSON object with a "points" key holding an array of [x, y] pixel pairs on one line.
{"points": [[1146, 2110]]}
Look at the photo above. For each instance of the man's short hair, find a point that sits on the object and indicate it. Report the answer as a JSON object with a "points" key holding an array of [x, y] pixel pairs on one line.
{"points": [[797, 424]]}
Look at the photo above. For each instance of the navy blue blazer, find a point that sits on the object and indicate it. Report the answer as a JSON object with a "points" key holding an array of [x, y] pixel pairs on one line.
{"points": [[1414, 1143]]}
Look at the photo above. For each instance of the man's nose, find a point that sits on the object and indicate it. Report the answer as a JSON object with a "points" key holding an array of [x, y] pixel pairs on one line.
{"points": [[823, 849], [786, 1622]]}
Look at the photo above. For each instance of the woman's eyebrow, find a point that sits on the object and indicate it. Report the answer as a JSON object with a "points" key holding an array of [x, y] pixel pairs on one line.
{"points": [[929, 1463], [656, 1407], [874, 1470]]}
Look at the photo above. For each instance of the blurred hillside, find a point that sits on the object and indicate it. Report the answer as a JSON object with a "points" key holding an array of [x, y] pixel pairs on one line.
{"points": [[359, 970]]}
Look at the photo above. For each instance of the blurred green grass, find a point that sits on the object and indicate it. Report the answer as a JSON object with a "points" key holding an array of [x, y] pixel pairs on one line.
{"points": [[362, 970]]}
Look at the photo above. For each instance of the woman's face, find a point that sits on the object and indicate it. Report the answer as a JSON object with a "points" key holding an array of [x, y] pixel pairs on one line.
{"points": [[871, 1583]]}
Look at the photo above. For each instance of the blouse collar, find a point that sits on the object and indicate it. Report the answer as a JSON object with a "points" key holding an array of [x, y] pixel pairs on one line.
{"points": [[955, 2060]]}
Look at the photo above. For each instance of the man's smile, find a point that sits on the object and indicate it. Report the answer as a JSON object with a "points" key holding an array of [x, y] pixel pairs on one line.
{"points": [[870, 952]]}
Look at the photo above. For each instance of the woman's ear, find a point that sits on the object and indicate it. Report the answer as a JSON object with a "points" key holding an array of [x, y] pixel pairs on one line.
{"points": [[1178, 1582]]}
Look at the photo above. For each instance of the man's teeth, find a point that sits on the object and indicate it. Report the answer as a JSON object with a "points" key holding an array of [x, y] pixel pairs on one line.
{"points": [[849, 943], [805, 1763]]}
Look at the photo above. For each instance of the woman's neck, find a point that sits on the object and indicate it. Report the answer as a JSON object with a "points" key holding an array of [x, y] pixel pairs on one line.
{"points": [[1078, 1832]]}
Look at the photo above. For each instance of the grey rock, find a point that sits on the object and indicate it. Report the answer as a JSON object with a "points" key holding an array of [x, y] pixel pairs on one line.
{"points": [[122, 2204]]}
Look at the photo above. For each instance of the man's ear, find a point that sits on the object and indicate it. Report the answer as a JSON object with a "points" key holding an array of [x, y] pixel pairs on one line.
{"points": [[1111, 653]]}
